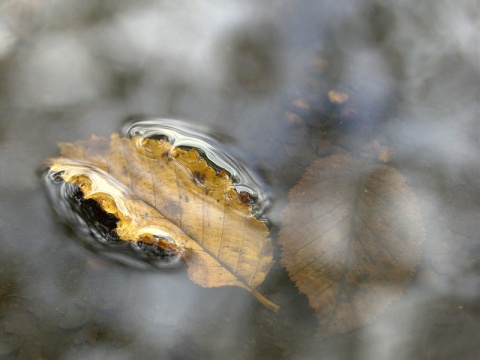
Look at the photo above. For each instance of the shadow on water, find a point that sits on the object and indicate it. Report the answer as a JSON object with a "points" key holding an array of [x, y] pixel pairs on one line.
{"points": [[261, 74]]}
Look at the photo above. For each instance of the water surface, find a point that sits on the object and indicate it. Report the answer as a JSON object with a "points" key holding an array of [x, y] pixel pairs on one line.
{"points": [[256, 77]]}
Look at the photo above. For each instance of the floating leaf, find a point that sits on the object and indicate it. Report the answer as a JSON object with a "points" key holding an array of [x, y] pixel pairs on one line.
{"points": [[171, 198], [351, 236]]}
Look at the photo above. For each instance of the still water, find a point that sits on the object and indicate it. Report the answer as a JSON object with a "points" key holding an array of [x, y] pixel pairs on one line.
{"points": [[280, 84]]}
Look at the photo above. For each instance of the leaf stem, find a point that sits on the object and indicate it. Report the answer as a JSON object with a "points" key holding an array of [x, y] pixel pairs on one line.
{"points": [[265, 302]]}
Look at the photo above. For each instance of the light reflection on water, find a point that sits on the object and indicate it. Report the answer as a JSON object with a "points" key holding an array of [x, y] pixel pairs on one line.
{"points": [[71, 69]]}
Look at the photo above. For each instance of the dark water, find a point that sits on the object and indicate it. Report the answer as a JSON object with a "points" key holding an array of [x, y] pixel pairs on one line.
{"points": [[257, 77]]}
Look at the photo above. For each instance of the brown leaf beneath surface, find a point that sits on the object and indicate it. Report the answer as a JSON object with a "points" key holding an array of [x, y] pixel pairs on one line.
{"points": [[170, 197], [350, 238]]}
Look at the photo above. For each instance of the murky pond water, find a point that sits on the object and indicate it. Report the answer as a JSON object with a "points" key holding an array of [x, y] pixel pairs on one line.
{"points": [[281, 83]]}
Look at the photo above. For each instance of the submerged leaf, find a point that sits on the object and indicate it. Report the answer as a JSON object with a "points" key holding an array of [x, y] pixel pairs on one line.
{"points": [[172, 198], [351, 236]]}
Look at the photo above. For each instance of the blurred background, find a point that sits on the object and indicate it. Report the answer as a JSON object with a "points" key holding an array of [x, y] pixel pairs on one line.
{"points": [[283, 83]]}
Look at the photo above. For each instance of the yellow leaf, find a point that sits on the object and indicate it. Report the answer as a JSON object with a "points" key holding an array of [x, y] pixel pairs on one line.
{"points": [[351, 236], [172, 198]]}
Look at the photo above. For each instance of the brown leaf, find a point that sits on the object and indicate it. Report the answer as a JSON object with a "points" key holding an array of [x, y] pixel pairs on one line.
{"points": [[170, 197], [351, 236]]}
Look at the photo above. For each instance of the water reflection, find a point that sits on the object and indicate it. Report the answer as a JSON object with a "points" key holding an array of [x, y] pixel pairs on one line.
{"points": [[75, 68], [61, 72]]}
